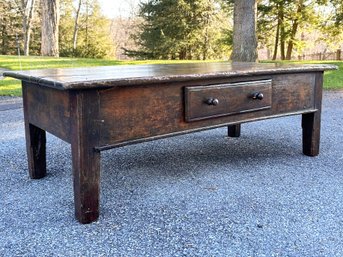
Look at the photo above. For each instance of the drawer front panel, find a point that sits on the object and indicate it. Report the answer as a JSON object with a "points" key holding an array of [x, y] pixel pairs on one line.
{"points": [[204, 102]]}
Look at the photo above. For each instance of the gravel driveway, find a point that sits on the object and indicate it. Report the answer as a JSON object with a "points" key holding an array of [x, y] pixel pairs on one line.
{"points": [[195, 195]]}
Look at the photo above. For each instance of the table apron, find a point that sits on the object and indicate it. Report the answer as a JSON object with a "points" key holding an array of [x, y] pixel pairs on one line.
{"points": [[128, 115]]}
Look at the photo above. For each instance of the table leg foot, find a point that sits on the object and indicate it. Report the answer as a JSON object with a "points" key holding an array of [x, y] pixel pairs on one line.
{"points": [[234, 130], [311, 133], [86, 173], [36, 150]]}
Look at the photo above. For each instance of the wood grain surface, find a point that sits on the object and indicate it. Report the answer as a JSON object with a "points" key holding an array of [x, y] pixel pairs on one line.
{"points": [[126, 75]]}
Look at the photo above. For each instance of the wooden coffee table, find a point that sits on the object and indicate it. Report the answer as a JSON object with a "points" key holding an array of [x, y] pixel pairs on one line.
{"points": [[99, 108]]}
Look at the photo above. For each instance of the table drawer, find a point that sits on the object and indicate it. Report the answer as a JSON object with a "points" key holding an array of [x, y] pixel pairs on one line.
{"points": [[204, 102]]}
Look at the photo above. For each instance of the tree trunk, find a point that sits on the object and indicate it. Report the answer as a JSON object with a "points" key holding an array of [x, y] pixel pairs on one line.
{"points": [[244, 40], [294, 30], [27, 8], [205, 46], [50, 21], [291, 41], [183, 54], [277, 37], [244, 31], [86, 28], [282, 32], [76, 25], [4, 30]]}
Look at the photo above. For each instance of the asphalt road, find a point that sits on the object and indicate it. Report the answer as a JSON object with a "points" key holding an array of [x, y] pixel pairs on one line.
{"points": [[200, 194]]}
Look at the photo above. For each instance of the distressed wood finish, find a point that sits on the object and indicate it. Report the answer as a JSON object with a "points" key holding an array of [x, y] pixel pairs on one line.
{"points": [[162, 111], [311, 121], [48, 108], [95, 109], [133, 75], [35, 143], [86, 161], [231, 98]]}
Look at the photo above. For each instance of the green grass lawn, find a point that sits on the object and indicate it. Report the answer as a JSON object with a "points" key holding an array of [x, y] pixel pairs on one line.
{"points": [[333, 80]]}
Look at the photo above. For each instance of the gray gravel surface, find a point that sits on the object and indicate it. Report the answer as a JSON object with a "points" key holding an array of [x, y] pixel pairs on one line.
{"points": [[200, 194], [8, 103]]}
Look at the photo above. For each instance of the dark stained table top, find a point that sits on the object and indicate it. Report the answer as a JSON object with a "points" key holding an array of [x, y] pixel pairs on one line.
{"points": [[125, 75]]}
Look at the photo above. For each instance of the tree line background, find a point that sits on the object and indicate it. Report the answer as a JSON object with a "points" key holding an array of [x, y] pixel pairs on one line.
{"points": [[166, 29]]}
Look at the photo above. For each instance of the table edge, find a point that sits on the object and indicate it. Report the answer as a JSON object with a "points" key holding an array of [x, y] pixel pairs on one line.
{"points": [[109, 83]]}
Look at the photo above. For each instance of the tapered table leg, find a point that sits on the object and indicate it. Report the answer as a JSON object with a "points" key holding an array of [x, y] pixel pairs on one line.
{"points": [[86, 173], [234, 130]]}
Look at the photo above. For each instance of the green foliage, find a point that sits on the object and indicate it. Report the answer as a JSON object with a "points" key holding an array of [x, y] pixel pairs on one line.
{"points": [[11, 30], [337, 16], [181, 29], [266, 21], [10, 26], [93, 37], [331, 25], [66, 28], [284, 24], [279, 22]]}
